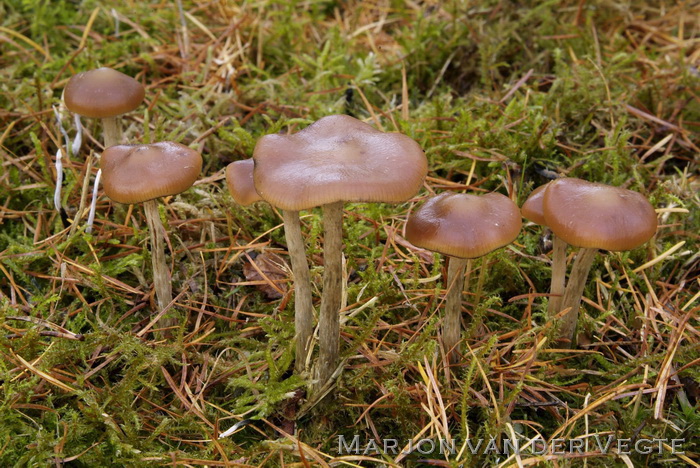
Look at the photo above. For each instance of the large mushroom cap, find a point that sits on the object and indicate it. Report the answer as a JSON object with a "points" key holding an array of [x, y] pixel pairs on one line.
{"points": [[138, 173], [337, 158], [239, 179], [464, 225], [103, 93], [586, 214], [532, 209]]}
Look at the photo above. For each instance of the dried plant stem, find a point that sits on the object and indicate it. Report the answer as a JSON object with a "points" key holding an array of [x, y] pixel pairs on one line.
{"points": [[111, 130], [451, 324], [329, 317], [556, 289], [574, 291], [303, 305], [161, 274]]}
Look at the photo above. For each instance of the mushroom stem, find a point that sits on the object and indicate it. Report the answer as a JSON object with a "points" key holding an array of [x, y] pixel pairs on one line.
{"points": [[161, 274], [451, 324], [111, 131], [303, 305], [329, 320], [556, 289], [574, 291]]}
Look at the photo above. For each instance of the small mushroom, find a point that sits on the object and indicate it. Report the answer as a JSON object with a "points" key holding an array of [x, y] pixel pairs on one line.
{"points": [[104, 94], [337, 159], [533, 210], [143, 173], [462, 226], [239, 179], [593, 216]]}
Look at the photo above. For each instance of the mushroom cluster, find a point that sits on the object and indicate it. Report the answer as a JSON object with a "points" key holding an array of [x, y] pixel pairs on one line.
{"points": [[103, 94], [337, 159], [340, 159], [593, 217]]}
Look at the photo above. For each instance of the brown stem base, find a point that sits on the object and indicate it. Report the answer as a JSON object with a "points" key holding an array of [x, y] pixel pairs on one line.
{"points": [[572, 295], [303, 304], [329, 319]]}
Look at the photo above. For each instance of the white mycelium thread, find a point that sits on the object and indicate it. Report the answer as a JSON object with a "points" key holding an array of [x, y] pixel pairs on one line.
{"points": [[59, 180], [60, 126], [93, 204], [72, 149], [59, 162], [78, 141]]}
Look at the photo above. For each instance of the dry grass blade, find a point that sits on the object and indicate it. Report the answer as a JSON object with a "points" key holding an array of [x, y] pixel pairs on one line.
{"points": [[48, 377], [663, 378]]}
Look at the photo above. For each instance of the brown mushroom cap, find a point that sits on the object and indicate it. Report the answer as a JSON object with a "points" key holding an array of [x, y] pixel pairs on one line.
{"points": [[598, 216], [532, 209], [138, 173], [239, 179], [337, 158], [464, 225], [103, 93]]}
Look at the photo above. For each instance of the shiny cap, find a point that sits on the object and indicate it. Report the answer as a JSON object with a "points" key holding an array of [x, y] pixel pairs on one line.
{"points": [[239, 179], [532, 209], [586, 214], [103, 93], [464, 225], [337, 158], [138, 173]]}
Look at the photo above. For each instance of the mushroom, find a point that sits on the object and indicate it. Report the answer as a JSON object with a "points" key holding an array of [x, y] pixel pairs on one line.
{"points": [[533, 210], [103, 93], [463, 227], [593, 216], [239, 178], [143, 173], [336, 159]]}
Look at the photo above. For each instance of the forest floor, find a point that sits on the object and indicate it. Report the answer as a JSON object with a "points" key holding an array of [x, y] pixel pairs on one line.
{"points": [[502, 96]]}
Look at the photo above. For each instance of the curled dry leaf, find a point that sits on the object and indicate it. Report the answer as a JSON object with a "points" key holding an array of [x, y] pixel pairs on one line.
{"points": [[270, 272]]}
